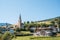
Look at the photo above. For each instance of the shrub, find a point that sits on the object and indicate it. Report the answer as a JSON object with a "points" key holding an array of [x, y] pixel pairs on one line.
{"points": [[18, 29], [7, 36], [0, 36]]}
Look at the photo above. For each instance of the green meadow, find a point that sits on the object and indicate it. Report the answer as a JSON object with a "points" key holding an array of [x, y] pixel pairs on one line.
{"points": [[35, 38]]}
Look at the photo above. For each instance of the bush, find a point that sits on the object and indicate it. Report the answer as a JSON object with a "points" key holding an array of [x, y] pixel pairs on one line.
{"points": [[7, 36], [18, 29], [0, 36]]}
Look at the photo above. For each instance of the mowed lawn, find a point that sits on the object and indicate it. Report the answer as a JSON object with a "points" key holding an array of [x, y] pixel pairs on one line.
{"points": [[35, 38]]}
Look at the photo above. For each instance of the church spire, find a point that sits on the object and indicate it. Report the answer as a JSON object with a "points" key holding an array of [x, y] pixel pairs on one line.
{"points": [[19, 21]]}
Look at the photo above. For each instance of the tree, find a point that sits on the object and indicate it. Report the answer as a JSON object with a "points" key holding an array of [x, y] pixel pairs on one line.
{"points": [[18, 29], [26, 26], [53, 22], [56, 22], [7, 36], [32, 22], [43, 25], [28, 22], [0, 36]]}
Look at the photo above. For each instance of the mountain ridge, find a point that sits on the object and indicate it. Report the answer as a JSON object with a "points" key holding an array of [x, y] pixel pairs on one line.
{"points": [[50, 19], [4, 24]]}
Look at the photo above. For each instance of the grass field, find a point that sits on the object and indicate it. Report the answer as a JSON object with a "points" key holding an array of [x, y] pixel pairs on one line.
{"points": [[35, 38]]}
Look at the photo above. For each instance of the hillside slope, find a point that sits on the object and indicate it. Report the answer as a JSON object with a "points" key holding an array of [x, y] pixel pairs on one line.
{"points": [[47, 21]]}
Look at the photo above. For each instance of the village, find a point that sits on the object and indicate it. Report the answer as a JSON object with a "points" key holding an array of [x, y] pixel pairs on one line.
{"points": [[32, 28], [29, 20]]}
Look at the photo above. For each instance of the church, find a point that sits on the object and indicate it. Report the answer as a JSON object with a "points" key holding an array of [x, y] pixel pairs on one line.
{"points": [[19, 24]]}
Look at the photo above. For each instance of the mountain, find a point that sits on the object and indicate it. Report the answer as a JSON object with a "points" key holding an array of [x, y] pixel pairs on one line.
{"points": [[48, 21], [4, 24]]}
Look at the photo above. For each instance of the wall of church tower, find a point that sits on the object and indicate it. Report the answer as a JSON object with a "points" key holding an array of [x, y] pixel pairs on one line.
{"points": [[19, 22]]}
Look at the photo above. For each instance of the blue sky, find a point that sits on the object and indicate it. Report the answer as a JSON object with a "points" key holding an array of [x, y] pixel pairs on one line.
{"points": [[30, 10]]}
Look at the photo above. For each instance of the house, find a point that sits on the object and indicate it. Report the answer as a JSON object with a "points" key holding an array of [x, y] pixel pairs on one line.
{"points": [[44, 31], [3, 29]]}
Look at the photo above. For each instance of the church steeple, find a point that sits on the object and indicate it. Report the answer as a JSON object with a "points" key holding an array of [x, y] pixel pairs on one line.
{"points": [[20, 22]]}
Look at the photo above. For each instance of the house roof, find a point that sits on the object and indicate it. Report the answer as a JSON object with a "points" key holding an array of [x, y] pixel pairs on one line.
{"points": [[44, 28]]}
